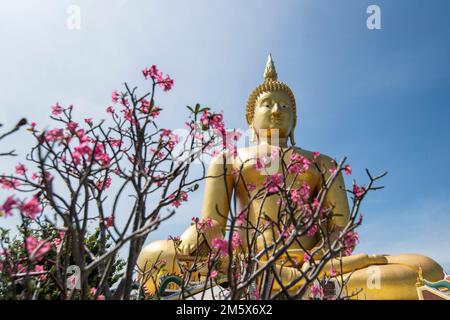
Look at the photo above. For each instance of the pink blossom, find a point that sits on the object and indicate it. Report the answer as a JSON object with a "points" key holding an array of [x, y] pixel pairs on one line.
{"points": [[56, 109], [203, 224], [54, 135], [348, 170], [358, 191], [110, 110], [251, 186], [350, 240], [166, 84], [316, 291], [316, 154], [259, 164], [221, 245], [153, 73], [273, 183], [71, 126], [177, 202], [40, 268], [109, 221], [21, 169], [128, 115], [213, 274], [104, 183], [31, 208], [32, 245], [236, 241], [8, 205], [115, 96], [333, 272], [8, 184], [88, 121], [94, 292], [332, 170], [241, 217]]}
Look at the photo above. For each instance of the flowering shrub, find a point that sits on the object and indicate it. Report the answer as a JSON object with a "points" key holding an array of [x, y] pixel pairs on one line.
{"points": [[78, 178]]}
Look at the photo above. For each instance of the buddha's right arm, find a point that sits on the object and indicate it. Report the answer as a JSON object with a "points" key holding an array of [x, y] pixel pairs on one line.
{"points": [[219, 186]]}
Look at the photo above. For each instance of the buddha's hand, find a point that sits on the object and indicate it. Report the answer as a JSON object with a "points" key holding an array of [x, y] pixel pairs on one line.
{"points": [[192, 238]]}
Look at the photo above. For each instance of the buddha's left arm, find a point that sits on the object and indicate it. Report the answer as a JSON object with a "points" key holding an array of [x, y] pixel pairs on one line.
{"points": [[336, 199]]}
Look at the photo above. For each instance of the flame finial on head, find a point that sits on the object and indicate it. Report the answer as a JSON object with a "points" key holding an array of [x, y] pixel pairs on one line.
{"points": [[270, 73]]}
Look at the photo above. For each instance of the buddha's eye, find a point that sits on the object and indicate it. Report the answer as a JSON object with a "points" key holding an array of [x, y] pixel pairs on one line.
{"points": [[284, 107]]}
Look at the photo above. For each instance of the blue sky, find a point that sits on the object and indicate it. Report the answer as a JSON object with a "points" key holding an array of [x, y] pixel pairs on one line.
{"points": [[379, 97]]}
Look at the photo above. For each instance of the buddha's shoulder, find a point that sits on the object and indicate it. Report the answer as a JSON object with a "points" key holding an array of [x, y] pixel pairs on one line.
{"points": [[322, 159]]}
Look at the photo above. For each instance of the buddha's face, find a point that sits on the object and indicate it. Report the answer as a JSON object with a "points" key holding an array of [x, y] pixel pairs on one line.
{"points": [[273, 111]]}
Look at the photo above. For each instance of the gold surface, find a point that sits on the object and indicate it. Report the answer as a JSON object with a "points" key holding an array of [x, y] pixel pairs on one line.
{"points": [[272, 108]]}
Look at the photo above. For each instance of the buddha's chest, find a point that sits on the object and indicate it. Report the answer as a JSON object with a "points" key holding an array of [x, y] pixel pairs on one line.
{"points": [[260, 176]]}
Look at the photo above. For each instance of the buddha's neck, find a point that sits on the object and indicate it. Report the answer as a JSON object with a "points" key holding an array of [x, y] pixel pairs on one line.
{"points": [[267, 141]]}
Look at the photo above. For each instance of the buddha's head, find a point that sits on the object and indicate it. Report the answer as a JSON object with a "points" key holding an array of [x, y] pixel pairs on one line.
{"points": [[271, 107]]}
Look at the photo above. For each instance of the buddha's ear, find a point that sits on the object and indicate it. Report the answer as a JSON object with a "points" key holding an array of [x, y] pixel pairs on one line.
{"points": [[253, 135], [291, 137]]}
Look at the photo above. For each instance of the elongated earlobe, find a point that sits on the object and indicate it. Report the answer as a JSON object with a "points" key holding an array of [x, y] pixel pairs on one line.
{"points": [[291, 137], [252, 135]]}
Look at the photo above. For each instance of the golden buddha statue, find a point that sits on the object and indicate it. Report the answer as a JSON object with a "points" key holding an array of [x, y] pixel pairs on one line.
{"points": [[271, 108]]}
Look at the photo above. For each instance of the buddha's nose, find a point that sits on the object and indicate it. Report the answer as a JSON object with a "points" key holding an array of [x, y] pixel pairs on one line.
{"points": [[276, 108]]}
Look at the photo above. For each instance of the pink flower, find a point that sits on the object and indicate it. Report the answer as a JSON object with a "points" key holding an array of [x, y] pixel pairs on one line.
{"points": [[104, 183], [54, 135], [316, 291], [177, 202], [298, 164], [332, 170], [72, 126], [115, 96], [333, 272], [351, 238], [348, 170], [167, 83], [236, 241], [165, 133], [56, 109], [8, 184], [213, 274], [273, 183], [36, 249], [259, 164], [221, 245], [316, 154], [8, 205], [251, 186], [358, 191], [88, 121], [31, 208], [240, 219], [110, 110], [153, 73], [203, 224], [40, 268], [109, 221], [21, 169], [99, 297]]}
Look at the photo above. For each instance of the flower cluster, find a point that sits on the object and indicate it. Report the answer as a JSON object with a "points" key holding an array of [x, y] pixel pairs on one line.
{"points": [[166, 83]]}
